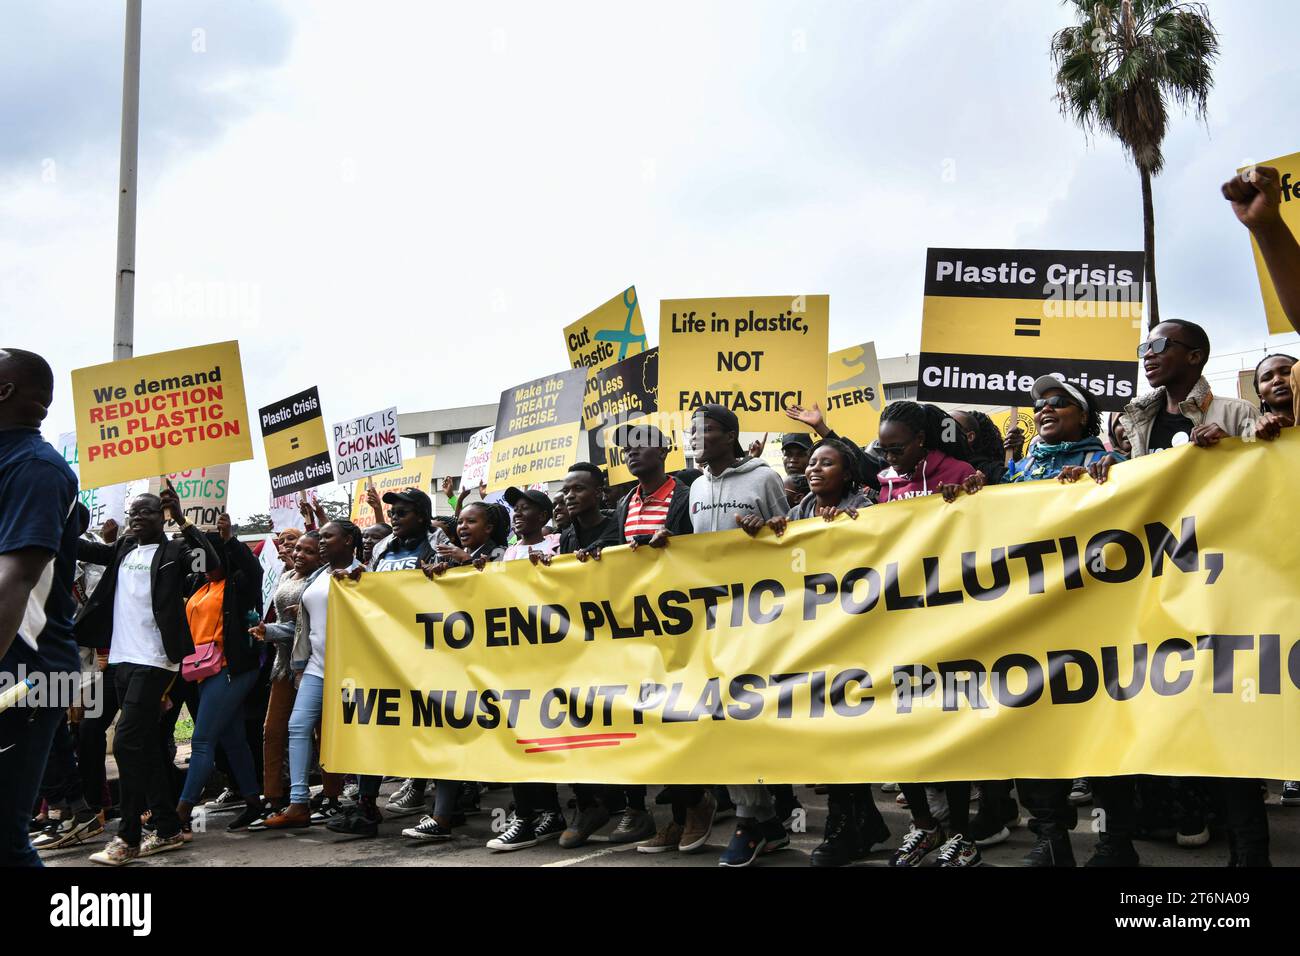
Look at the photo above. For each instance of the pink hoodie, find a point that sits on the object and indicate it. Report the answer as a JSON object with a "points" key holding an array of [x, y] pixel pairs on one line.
{"points": [[934, 470]]}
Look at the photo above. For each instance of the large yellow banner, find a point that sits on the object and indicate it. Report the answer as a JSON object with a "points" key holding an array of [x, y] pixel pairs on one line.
{"points": [[1145, 625], [160, 413]]}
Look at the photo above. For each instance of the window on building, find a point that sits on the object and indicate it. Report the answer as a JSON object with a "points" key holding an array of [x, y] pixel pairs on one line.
{"points": [[903, 390], [457, 437]]}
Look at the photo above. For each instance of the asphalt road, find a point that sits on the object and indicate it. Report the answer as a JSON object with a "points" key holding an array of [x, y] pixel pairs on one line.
{"points": [[319, 847]]}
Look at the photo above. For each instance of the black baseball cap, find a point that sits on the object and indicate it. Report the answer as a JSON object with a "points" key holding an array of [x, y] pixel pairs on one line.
{"points": [[539, 498], [413, 497], [724, 417], [797, 438], [642, 435]]}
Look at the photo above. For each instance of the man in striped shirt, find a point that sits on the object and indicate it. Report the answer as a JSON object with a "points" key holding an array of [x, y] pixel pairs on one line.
{"points": [[659, 506]]}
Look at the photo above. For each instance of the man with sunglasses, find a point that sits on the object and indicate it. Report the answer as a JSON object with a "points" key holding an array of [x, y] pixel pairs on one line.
{"points": [[1182, 408]]}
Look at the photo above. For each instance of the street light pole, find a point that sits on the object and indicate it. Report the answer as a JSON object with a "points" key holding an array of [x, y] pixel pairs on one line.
{"points": [[124, 307]]}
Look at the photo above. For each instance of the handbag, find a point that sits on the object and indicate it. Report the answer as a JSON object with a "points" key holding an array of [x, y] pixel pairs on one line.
{"points": [[207, 660]]}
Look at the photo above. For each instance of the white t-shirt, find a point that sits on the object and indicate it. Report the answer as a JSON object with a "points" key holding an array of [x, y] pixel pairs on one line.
{"points": [[136, 638], [316, 600]]}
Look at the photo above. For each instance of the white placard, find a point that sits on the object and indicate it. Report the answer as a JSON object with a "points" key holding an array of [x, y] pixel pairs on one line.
{"points": [[365, 446]]}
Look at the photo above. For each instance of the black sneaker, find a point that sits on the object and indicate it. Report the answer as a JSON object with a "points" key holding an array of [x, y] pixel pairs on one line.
{"points": [[269, 809], [519, 834], [326, 809], [1193, 832], [428, 829], [747, 844], [1291, 793], [251, 814], [986, 831], [361, 821], [549, 826], [1080, 792], [633, 827], [841, 843], [406, 801], [959, 851], [1050, 851], [227, 801], [1114, 853]]}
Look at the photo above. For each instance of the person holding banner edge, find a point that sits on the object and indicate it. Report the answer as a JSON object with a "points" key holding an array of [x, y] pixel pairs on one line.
{"points": [[340, 550], [1256, 198], [1069, 428], [853, 822], [735, 491]]}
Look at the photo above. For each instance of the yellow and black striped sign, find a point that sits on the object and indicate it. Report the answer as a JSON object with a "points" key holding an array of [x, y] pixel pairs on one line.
{"points": [[996, 319], [293, 433]]}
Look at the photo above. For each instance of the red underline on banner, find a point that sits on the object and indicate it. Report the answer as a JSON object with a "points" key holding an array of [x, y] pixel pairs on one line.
{"points": [[548, 741], [589, 743]]}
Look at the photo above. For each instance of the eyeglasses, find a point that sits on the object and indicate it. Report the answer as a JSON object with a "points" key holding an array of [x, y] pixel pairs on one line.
{"points": [[395, 511], [1054, 401], [1159, 344], [894, 449], [143, 512]]}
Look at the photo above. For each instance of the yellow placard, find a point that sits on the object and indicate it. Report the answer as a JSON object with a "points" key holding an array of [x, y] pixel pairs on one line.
{"points": [[160, 413], [1024, 418], [855, 395], [616, 464], [755, 355], [994, 320], [414, 473], [1288, 168], [603, 337], [537, 430], [1039, 630]]}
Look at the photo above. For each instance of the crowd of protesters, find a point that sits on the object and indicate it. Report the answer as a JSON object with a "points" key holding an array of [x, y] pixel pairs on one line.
{"points": [[163, 620]]}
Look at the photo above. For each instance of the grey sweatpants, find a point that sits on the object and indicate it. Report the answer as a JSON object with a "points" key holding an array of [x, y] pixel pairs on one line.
{"points": [[752, 802]]}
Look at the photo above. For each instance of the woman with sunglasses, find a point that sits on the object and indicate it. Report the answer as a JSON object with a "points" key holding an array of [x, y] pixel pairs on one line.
{"points": [[1069, 429]]}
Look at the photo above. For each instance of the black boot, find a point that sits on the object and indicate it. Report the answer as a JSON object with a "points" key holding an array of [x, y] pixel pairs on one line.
{"points": [[871, 826], [1113, 852], [841, 843]]}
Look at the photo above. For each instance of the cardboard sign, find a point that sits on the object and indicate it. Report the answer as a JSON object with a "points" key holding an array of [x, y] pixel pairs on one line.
{"points": [[603, 337], [272, 570], [478, 458], [414, 473], [996, 319], [756, 356], [286, 513], [1288, 168], [102, 503], [365, 446], [293, 432], [202, 493], [160, 413], [537, 428], [855, 395]]}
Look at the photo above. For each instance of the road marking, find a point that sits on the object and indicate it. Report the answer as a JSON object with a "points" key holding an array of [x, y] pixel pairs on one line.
{"points": [[591, 856]]}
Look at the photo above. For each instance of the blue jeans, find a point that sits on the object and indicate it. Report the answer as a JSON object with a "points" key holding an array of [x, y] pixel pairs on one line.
{"points": [[25, 736], [220, 720], [302, 726]]}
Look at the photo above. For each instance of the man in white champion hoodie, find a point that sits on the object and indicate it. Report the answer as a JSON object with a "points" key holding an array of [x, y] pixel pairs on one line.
{"points": [[735, 491]]}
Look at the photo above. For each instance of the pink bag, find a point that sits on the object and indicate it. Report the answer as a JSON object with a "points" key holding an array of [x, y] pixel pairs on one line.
{"points": [[203, 663]]}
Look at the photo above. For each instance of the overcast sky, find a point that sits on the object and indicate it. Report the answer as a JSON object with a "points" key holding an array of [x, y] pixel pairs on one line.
{"points": [[404, 203]]}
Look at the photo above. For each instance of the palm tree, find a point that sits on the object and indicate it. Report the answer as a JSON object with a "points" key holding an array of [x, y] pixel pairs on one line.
{"points": [[1117, 70]]}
